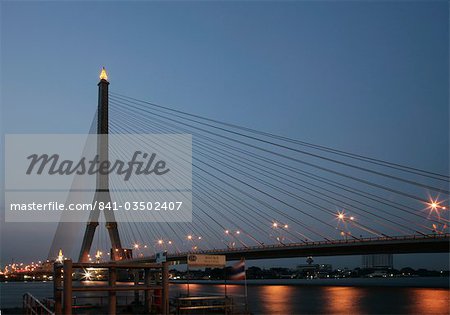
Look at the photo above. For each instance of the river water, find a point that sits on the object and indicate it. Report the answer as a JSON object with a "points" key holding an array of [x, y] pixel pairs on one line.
{"points": [[291, 298]]}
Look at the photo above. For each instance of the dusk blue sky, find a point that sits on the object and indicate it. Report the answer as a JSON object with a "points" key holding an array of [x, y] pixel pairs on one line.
{"points": [[369, 77]]}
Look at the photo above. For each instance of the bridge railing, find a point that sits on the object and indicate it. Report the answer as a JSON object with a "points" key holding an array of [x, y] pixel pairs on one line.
{"points": [[315, 243], [305, 244]]}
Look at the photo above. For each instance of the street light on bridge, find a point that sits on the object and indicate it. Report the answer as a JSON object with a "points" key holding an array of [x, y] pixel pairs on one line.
{"points": [[435, 206]]}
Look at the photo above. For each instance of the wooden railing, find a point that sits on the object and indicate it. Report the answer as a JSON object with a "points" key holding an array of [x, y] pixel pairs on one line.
{"points": [[32, 305], [204, 304], [63, 288]]}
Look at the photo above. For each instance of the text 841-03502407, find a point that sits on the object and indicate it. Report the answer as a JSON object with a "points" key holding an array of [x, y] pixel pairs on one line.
{"points": [[142, 205]]}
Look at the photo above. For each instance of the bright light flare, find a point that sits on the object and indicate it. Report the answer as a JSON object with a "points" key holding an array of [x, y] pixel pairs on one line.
{"points": [[87, 275], [434, 205]]}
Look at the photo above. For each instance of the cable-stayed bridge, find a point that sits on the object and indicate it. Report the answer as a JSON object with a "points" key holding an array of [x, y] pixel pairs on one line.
{"points": [[260, 195]]}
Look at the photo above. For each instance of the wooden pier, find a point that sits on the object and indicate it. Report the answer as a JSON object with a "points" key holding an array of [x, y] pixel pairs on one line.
{"points": [[156, 279]]}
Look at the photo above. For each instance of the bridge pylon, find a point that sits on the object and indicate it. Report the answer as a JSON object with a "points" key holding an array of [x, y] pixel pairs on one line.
{"points": [[102, 185]]}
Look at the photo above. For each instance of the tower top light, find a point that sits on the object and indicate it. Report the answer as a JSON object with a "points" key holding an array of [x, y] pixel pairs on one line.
{"points": [[103, 74]]}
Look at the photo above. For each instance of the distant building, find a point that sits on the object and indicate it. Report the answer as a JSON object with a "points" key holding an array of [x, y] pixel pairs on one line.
{"points": [[378, 261], [314, 270], [324, 267]]}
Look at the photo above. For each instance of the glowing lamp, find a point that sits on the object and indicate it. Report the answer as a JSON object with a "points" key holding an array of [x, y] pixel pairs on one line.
{"points": [[60, 256], [103, 74]]}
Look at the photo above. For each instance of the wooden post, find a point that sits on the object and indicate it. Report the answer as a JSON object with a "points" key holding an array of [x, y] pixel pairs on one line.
{"points": [[112, 300], [136, 283], [188, 279], [165, 288], [57, 294], [225, 276], [68, 287], [147, 293]]}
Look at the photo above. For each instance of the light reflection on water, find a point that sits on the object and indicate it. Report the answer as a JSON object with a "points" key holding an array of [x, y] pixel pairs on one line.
{"points": [[276, 299], [343, 300], [291, 299], [428, 301]]}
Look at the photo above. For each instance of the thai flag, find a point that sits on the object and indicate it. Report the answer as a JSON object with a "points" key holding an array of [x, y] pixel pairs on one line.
{"points": [[238, 271]]}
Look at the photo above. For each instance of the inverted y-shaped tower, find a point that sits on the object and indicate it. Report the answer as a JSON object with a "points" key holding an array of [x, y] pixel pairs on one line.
{"points": [[102, 185]]}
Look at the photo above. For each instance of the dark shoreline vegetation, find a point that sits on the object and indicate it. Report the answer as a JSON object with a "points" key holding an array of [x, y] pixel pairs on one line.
{"points": [[313, 271], [310, 272]]}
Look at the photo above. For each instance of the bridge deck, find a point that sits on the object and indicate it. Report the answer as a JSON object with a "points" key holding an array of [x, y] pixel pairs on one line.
{"points": [[433, 243]]}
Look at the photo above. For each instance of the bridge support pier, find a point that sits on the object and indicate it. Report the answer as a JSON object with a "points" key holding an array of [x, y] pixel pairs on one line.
{"points": [[87, 241]]}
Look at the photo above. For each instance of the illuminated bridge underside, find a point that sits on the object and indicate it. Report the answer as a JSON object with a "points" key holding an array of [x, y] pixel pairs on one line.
{"points": [[394, 245]]}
